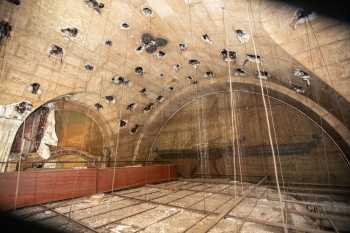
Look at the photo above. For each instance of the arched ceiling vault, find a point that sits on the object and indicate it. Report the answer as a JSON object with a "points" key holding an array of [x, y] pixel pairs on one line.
{"points": [[334, 128], [37, 26]]}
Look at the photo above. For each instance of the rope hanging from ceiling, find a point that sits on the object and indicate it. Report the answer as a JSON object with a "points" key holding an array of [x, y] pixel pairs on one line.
{"points": [[250, 14], [308, 40], [233, 116], [269, 109], [120, 113]]}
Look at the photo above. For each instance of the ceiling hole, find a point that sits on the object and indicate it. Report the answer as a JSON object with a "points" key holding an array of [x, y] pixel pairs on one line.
{"points": [[252, 58], [98, 106], [263, 75], [56, 51], [123, 123], [108, 43], [182, 47], [160, 98], [194, 62], [131, 107], [70, 31], [34, 88], [161, 54], [228, 55], [301, 16], [143, 91], [176, 67], [110, 99], [148, 107], [124, 26], [89, 67], [147, 11], [209, 75], [134, 129], [206, 39], [95, 5], [239, 72], [140, 49], [120, 80], [139, 71], [242, 36]]}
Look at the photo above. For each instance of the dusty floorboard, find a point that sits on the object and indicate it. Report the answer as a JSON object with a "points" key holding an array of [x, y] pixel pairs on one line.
{"points": [[176, 206]]}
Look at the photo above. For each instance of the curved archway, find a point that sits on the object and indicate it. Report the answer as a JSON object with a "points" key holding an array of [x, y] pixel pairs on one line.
{"points": [[104, 147], [105, 131], [198, 140], [334, 127]]}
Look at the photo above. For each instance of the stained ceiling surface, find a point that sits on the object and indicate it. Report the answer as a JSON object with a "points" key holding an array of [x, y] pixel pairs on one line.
{"points": [[126, 58]]}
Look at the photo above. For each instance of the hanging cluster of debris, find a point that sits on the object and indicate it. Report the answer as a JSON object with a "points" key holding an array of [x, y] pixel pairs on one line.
{"points": [[56, 51], [194, 63], [131, 107], [302, 16], [123, 123], [97, 6], [34, 88], [302, 76], [120, 80], [70, 31], [147, 11], [98, 106], [151, 44], [228, 55], [124, 26], [154, 45], [242, 36], [110, 99]]}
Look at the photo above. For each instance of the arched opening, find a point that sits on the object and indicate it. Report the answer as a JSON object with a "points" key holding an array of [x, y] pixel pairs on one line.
{"points": [[306, 152], [76, 139], [331, 124]]}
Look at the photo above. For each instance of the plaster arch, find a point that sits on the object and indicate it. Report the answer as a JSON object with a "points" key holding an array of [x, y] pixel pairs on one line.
{"points": [[333, 126]]}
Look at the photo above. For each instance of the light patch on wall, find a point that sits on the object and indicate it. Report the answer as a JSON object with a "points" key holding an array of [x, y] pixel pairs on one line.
{"points": [[160, 7], [213, 5]]}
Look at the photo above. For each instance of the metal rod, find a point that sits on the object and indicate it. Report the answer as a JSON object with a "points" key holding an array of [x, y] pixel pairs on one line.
{"points": [[71, 219], [280, 225], [212, 222]]}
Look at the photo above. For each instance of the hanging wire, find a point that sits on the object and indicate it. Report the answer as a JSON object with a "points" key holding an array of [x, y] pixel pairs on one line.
{"points": [[20, 163], [272, 121], [120, 113], [198, 114], [149, 68], [232, 105], [238, 142], [317, 98], [250, 13]]}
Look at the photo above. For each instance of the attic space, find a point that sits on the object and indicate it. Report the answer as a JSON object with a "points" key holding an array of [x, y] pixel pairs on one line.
{"points": [[174, 116]]}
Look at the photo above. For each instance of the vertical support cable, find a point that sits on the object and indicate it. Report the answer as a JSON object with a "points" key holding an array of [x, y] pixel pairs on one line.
{"points": [[267, 121]]}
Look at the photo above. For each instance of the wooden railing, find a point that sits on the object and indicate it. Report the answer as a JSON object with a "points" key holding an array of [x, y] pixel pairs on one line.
{"points": [[27, 188]]}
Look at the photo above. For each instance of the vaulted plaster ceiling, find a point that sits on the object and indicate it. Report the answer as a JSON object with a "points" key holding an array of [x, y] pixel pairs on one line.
{"points": [[321, 49]]}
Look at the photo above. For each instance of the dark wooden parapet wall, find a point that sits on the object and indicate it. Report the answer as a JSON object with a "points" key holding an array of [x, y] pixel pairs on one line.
{"points": [[36, 187]]}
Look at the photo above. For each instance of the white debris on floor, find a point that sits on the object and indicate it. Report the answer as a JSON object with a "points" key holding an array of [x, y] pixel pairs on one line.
{"points": [[179, 205], [122, 229]]}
